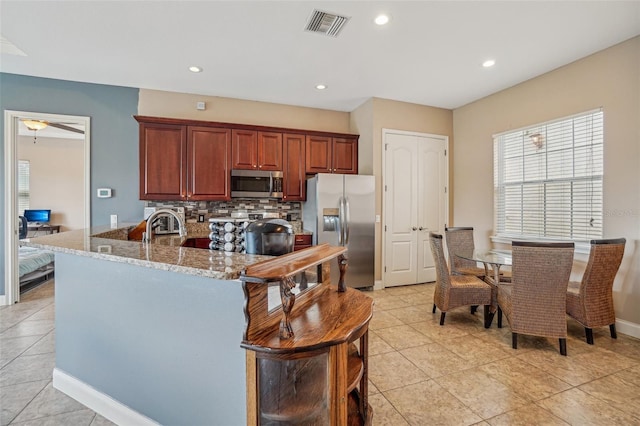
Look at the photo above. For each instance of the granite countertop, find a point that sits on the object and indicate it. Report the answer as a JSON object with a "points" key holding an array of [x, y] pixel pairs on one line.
{"points": [[164, 252]]}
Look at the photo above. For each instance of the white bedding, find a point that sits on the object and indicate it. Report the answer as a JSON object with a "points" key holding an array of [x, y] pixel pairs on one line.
{"points": [[31, 259]]}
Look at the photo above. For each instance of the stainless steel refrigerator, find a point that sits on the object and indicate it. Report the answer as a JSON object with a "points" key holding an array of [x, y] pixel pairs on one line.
{"points": [[340, 210]]}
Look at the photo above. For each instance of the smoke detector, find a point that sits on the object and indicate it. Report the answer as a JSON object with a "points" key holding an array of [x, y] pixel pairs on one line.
{"points": [[326, 23]]}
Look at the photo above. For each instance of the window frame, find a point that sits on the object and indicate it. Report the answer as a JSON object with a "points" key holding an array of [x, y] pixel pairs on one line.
{"points": [[595, 151], [20, 176]]}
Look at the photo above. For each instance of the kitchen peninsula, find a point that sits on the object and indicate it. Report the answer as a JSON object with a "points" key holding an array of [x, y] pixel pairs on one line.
{"points": [[153, 333], [149, 333]]}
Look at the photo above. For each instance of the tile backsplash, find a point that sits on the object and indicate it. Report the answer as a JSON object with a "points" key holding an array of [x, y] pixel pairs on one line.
{"points": [[291, 211]]}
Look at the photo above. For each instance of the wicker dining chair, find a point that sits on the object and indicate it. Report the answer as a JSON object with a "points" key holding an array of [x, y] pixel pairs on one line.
{"points": [[453, 291], [460, 240], [535, 302], [590, 301]]}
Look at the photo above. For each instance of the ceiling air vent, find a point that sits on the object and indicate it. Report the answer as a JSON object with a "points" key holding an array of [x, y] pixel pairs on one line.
{"points": [[326, 23]]}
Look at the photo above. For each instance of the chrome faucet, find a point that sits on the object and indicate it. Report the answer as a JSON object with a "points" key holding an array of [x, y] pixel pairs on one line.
{"points": [[182, 229]]}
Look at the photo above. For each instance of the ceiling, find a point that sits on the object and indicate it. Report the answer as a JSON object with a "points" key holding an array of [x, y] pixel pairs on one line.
{"points": [[430, 53]]}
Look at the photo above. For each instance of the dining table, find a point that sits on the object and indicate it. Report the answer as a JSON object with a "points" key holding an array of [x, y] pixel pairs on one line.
{"points": [[492, 260]]}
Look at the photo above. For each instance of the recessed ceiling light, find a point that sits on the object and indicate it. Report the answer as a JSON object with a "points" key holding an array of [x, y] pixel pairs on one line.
{"points": [[321, 86], [381, 19], [195, 69], [488, 63]]}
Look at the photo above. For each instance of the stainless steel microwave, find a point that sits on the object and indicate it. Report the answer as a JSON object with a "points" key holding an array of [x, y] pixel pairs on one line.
{"points": [[256, 184]]}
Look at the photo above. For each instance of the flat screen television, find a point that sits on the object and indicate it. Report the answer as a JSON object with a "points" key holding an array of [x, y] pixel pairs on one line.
{"points": [[42, 216]]}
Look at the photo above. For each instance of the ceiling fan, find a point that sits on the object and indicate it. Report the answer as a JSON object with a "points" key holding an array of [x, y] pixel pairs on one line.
{"points": [[36, 125]]}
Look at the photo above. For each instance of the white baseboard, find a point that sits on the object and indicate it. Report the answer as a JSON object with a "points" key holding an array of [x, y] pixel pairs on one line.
{"points": [[3, 300], [97, 401], [377, 285], [629, 328]]}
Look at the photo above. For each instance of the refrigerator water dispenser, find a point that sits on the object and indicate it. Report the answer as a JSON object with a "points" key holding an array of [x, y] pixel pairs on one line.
{"points": [[330, 219]]}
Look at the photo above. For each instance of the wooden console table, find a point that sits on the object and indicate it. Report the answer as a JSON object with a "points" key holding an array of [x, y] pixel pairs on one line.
{"points": [[307, 357]]}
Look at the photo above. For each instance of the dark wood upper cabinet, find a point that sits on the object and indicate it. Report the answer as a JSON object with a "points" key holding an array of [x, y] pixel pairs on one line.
{"points": [[254, 150], [318, 155], [244, 149], [209, 163], [184, 162], [345, 155], [270, 151], [192, 160], [163, 171], [332, 155], [294, 173]]}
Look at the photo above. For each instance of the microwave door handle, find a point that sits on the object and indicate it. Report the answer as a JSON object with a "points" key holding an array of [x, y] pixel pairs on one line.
{"points": [[270, 183]]}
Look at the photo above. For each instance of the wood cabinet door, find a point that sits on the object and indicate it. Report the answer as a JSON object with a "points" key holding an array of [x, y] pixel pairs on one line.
{"points": [[163, 173], [270, 151], [345, 156], [244, 149], [209, 163], [318, 154], [294, 175]]}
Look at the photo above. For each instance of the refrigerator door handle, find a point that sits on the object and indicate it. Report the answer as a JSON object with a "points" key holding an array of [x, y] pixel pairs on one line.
{"points": [[341, 222], [347, 219]]}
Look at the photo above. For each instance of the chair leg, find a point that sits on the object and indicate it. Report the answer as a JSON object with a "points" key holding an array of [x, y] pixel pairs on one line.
{"points": [[589, 333], [442, 318], [563, 346], [499, 317], [488, 316], [434, 309], [612, 329], [514, 340], [474, 308]]}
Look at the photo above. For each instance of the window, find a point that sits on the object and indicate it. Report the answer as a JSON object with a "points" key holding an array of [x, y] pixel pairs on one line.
{"points": [[23, 186], [548, 180]]}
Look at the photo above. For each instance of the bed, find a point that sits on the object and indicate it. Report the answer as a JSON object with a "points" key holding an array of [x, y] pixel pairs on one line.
{"points": [[36, 265]]}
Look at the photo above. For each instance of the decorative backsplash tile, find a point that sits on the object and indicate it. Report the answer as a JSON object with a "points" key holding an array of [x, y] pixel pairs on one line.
{"points": [[291, 211]]}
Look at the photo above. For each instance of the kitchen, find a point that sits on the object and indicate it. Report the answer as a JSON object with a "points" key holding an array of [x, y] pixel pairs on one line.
{"points": [[163, 270], [115, 146]]}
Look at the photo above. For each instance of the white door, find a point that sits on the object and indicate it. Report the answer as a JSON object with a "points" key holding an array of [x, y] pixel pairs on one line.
{"points": [[432, 175], [415, 202], [401, 210]]}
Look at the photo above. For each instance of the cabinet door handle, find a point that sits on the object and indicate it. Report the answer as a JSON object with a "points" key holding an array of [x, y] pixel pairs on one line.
{"points": [[421, 228], [414, 228]]}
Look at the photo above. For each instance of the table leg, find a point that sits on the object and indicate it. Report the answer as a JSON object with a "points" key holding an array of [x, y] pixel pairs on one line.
{"points": [[490, 313]]}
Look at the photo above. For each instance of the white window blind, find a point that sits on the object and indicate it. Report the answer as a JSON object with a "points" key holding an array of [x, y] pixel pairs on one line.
{"points": [[23, 186], [548, 180]]}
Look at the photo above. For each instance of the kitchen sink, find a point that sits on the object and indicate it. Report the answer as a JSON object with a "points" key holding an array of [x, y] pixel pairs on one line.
{"points": [[201, 243]]}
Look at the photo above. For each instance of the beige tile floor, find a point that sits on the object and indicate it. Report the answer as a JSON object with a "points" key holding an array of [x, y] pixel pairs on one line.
{"points": [[420, 373]]}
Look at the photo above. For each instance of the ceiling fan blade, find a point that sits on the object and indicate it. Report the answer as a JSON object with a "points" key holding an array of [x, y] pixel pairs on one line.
{"points": [[65, 127]]}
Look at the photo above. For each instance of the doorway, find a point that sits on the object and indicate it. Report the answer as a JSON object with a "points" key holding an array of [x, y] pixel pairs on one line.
{"points": [[13, 121], [415, 202]]}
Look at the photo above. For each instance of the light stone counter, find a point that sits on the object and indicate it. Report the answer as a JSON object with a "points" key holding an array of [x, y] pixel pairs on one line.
{"points": [[164, 252]]}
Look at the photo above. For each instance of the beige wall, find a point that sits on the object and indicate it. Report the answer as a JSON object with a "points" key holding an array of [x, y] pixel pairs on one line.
{"points": [[56, 178], [156, 103], [388, 114], [609, 79]]}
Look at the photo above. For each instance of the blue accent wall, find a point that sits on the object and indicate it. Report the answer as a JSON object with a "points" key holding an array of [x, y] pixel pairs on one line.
{"points": [[114, 138], [165, 344]]}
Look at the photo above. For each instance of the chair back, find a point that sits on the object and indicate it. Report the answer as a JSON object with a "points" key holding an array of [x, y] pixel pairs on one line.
{"points": [[540, 276], [597, 282], [459, 240], [443, 282], [23, 226]]}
